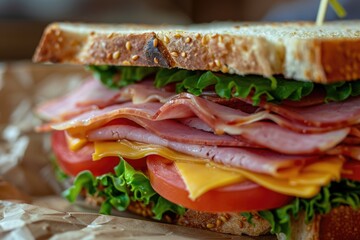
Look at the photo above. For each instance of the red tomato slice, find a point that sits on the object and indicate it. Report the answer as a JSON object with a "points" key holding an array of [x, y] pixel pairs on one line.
{"points": [[246, 196], [73, 162], [351, 170]]}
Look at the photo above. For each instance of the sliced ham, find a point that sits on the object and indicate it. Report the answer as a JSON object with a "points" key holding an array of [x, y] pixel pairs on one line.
{"points": [[175, 131], [211, 113], [144, 92], [311, 119], [196, 123], [170, 130], [315, 98], [334, 114], [93, 95], [352, 140], [272, 136], [294, 126], [265, 134], [351, 151], [80, 125], [355, 131], [217, 116], [90, 95], [257, 160]]}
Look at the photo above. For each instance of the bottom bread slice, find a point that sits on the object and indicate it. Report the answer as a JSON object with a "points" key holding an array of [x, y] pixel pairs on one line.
{"points": [[341, 223]]}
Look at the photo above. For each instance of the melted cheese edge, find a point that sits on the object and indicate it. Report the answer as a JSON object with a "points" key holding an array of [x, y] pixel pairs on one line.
{"points": [[73, 143]]}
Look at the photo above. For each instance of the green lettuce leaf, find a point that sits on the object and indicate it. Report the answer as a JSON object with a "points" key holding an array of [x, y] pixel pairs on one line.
{"points": [[345, 192], [118, 76], [166, 76], [60, 175], [227, 86], [119, 189], [272, 89]]}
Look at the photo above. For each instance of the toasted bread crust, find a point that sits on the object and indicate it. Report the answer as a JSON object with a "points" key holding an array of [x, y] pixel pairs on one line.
{"points": [[340, 223], [301, 51], [341, 59], [233, 223]]}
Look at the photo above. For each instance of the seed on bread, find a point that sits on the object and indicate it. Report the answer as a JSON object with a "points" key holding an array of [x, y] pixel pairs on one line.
{"points": [[174, 54], [116, 55], [128, 45], [220, 39], [217, 62], [224, 69], [135, 57], [110, 35], [166, 39], [223, 218], [210, 225], [155, 42], [204, 40]]}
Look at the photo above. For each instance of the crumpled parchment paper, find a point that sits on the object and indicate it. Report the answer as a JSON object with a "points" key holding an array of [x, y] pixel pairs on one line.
{"points": [[24, 221], [24, 158]]}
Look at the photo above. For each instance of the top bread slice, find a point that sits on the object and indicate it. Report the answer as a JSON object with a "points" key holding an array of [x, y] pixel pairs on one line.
{"points": [[298, 50]]}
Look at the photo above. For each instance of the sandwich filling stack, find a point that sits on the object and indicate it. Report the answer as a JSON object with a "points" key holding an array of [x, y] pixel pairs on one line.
{"points": [[233, 127]]}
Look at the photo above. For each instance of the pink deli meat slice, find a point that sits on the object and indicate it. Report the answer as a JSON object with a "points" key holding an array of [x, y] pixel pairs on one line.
{"points": [[221, 117], [311, 119], [93, 95], [175, 131], [334, 114], [352, 151], [90, 95], [272, 136], [256, 133], [258, 160]]}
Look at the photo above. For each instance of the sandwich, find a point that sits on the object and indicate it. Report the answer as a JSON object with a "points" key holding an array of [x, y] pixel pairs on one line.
{"points": [[239, 128]]}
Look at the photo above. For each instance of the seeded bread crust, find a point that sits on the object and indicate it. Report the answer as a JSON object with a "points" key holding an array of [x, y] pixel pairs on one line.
{"points": [[301, 51], [232, 223], [340, 223]]}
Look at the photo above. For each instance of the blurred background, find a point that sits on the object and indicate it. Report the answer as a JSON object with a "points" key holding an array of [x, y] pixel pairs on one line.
{"points": [[22, 21]]}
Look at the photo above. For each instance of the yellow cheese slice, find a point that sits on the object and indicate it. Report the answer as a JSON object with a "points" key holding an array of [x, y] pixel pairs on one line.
{"points": [[306, 184], [201, 178], [194, 176], [330, 164], [137, 150], [200, 175], [73, 143]]}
